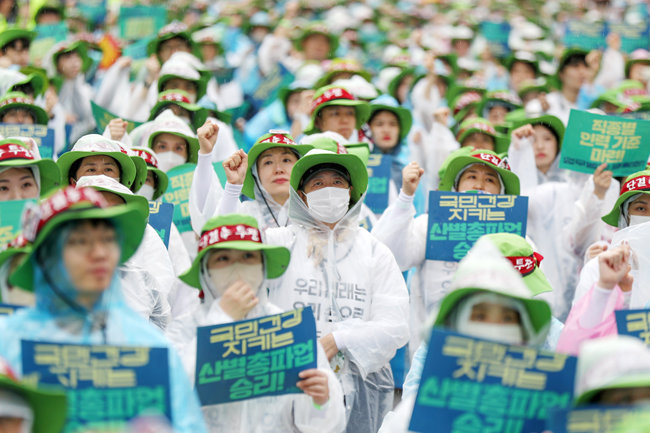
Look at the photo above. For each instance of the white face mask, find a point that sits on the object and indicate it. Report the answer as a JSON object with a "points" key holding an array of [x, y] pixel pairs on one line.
{"points": [[146, 191], [328, 204], [225, 277], [169, 160], [507, 334], [638, 219]]}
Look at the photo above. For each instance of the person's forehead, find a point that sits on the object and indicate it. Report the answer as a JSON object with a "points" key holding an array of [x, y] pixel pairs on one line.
{"points": [[167, 137], [325, 173], [98, 159], [480, 167], [275, 151], [643, 198], [337, 107], [21, 172]]}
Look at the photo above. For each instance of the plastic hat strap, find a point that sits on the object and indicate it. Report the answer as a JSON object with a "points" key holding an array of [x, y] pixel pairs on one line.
{"points": [[36, 217], [492, 159], [149, 158], [175, 97], [526, 264], [330, 95], [279, 139], [239, 232], [640, 183], [14, 151], [467, 99], [17, 100]]}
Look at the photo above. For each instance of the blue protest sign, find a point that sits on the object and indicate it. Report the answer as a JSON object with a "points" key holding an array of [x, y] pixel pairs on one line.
{"points": [[105, 385], [93, 10], [497, 34], [160, 218], [593, 139], [10, 217], [585, 35], [8, 309], [635, 323], [42, 135], [378, 182], [457, 220], [178, 194], [479, 386], [599, 419], [254, 358]]}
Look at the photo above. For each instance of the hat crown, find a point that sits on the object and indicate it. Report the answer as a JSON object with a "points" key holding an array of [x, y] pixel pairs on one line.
{"points": [[146, 154], [97, 143], [103, 181], [9, 149], [229, 228], [330, 93]]}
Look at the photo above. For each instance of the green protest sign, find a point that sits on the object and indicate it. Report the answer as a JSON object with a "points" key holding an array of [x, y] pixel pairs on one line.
{"points": [[10, 216], [178, 194], [138, 22], [103, 117], [593, 139], [46, 36]]}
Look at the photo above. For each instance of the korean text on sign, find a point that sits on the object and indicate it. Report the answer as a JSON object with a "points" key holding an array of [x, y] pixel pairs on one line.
{"points": [[457, 220], [254, 358], [591, 140], [635, 323], [104, 384], [178, 194], [480, 386], [597, 419]]}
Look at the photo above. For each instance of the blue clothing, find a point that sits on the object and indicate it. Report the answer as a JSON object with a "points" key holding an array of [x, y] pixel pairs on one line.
{"points": [[110, 322], [273, 116]]}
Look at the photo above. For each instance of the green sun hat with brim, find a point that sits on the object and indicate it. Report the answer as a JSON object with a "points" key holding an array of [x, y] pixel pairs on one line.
{"points": [[339, 66], [162, 180], [296, 86], [524, 259], [75, 204], [362, 150], [395, 82], [172, 30], [11, 34], [36, 81], [336, 95], [94, 145], [81, 47], [49, 406], [465, 156], [168, 123], [636, 183], [15, 247], [237, 232], [489, 274], [389, 103], [450, 59], [41, 72], [178, 69], [14, 153], [108, 184], [331, 152], [178, 97], [475, 124], [273, 139], [547, 120], [536, 85], [611, 362], [316, 28], [140, 171], [637, 56], [498, 97], [13, 100], [463, 103], [633, 90], [523, 57]]}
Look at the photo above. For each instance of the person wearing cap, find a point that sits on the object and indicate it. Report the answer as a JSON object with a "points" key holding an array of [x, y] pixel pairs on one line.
{"points": [[522, 66], [349, 278], [488, 300], [18, 108], [231, 271], [72, 268], [496, 105], [571, 75], [14, 46], [10, 256], [23, 174], [173, 142], [479, 133], [26, 409], [335, 109]]}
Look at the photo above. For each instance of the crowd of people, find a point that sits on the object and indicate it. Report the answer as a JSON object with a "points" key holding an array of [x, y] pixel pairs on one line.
{"points": [[293, 100]]}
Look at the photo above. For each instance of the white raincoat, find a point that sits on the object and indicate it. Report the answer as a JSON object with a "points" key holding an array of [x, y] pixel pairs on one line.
{"points": [[360, 297]]}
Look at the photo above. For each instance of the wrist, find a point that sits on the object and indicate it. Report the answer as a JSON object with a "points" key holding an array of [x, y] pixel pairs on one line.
{"points": [[605, 285]]}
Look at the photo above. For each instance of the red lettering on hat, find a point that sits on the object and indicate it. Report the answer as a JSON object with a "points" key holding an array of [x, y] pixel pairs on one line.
{"points": [[524, 265], [175, 97], [17, 100], [492, 159], [330, 95], [640, 183], [279, 139], [149, 158], [466, 99], [239, 232], [14, 151]]}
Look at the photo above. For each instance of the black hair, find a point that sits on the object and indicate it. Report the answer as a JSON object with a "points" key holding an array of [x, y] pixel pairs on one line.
{"points": [[12, 44], [74, 167], [573, 60], [311, 171]]}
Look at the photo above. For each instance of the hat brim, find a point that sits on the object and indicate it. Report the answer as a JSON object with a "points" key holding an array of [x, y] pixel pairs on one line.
{"points": [[41, 117], [140, 173], [352, 163], [162, 181], [36, 81], [198, 114], [547, 120], [127, 166], [141, 203], [192, 144], [48, 171], [510, 180], [128, 219], [49, 406], [630, 381], [276, 259], [248, 188], [403, 115], [201, 84], [613, 216], [362, 113], [13, 34]]}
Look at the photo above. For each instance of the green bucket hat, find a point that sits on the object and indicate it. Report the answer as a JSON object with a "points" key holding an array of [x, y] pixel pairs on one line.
{"points": [[616, 361], [395, 82], [178, 69], [11, 34], [550, 121], [269, 141], [140, 171], [168, 123], [464, 156], [170, 31], [336, 154], [463, 99], [637, 56], [338, 66], [73, 204], [316, 28], [151, 162], [523, 57], [198, 115], [108, 184], [238, 232], [519, 252], [19, 100], [336, 95], [49, 406], [81, 47], [388, 103], [14, 153], [536, 85], [636, 183], [498, 97], [35, 80], [92, 145], [482, 126]]}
